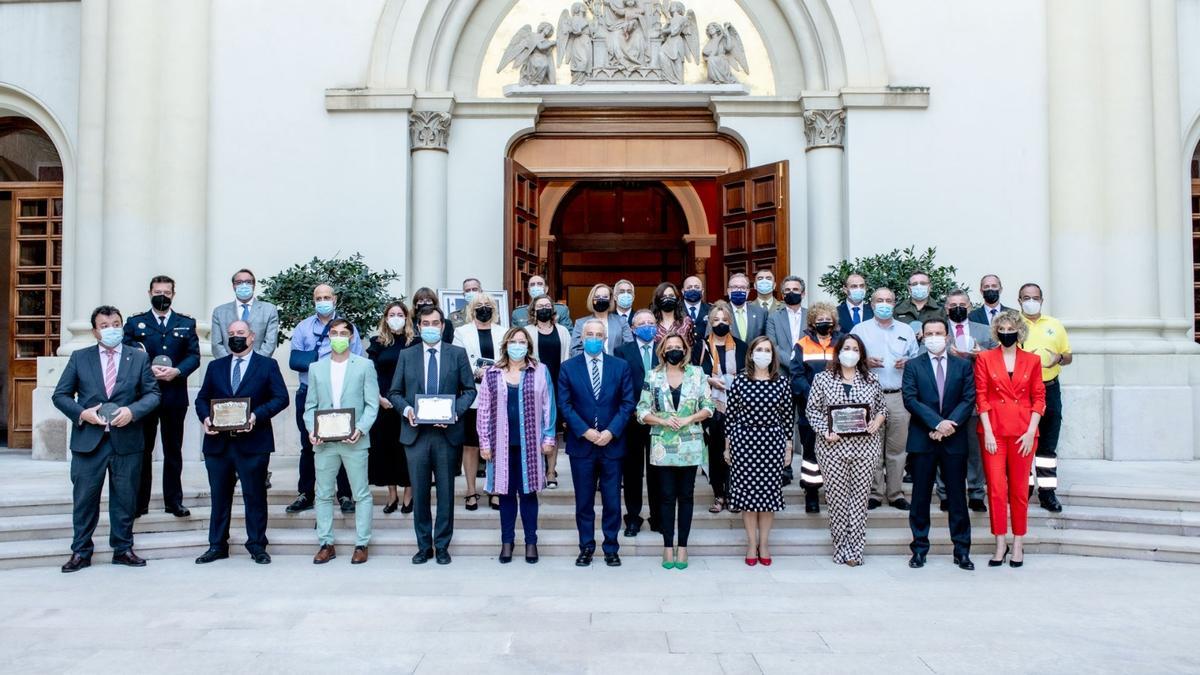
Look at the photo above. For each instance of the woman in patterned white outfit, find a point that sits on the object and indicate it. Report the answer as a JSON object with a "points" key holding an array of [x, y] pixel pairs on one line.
{"points": [[847, 461]]}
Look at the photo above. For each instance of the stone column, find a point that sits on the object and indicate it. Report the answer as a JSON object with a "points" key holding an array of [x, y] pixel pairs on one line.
{"points": [[428, 132], [825, 133]]}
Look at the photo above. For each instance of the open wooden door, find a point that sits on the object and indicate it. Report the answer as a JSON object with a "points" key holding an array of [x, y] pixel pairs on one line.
{"points": [[521, 230], [753, 233]]}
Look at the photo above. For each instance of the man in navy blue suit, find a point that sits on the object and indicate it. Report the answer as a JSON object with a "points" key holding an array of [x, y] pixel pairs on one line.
{"points": [[245, 455], [939, 394], [595, 396]]}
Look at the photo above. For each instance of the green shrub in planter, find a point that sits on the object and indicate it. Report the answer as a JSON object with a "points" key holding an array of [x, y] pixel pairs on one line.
{"points": [[892, 270], [362, 294]]}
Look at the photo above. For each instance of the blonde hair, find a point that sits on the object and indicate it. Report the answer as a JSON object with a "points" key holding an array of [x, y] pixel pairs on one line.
{"points": [[479, 299], [592, 297], [822, 308], [1010, 316]]}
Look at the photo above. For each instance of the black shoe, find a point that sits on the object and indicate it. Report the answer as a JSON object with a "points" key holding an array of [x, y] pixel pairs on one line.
{"points": [[531, 554], [612, 560], [494, 502], [347, 504], [506, 553], [76, 563], [944, 505], [211, 555], [391, 506], [812, 502], [977, 505], [302, 503], [481, 472], [964, 563], [128, 559], [443, 556], [261, 558], [917, 561], [179, 512], [632, 530], [421, 557], [992, 562], [788, 476], [585, 558], [873, 504], [407, 508], [907, 477], [899, 503], [1016, 563], [141, 512], [268, 483], [1049, 501]]}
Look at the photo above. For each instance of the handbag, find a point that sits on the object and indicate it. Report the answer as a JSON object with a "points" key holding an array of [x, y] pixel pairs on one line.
{"points": [[300, 361]]}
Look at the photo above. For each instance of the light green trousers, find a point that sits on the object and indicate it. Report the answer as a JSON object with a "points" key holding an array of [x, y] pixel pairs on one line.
{"points": [[327, 458]]}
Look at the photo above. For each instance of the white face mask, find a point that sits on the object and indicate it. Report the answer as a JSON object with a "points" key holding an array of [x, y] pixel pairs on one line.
{"points": [[762, 359], [936, 344], [1031, 307], [396, 323], [848, 358]]}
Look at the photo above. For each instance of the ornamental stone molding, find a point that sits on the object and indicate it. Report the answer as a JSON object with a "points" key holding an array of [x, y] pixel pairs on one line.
{"points": [[825, 128], [428, 130]]}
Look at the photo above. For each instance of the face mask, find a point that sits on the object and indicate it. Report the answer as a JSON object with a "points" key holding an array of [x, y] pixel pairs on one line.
{"points": [[544, 314], [483, 314], [624, 300], [160, 302], [111, 337], [536, 292], [883, 311], [991, 296], [430, 335], [857, 294], [936, 344], [517, 350], [692, 295], [848, 358], [395, 323], [668, 304], [593, 345], [601, 304], [919, 292], [645, 333], [764, 286], [957, 314], [244, 291], [1007, 339], [1031, 307], [469, 296], [737, 297], [761, 359], [237, 344], [324, 307], [339, 344], [673, 356], [720, 329], [793, 298], [823, 327]]}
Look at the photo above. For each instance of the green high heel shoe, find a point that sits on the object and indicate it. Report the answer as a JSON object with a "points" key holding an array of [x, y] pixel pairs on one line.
{"points": [[680, 564]]}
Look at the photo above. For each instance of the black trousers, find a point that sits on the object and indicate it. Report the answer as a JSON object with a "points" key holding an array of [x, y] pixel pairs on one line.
{"points": [[87, 480], [1045, 460], [224, 470], [307, 484], [924, 467], [678, 489], [432, 457], [636, 464], [171, 420], [718, 470]]}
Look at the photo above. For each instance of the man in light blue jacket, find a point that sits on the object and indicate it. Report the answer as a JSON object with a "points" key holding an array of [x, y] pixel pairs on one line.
{"points": [[344, 380]]}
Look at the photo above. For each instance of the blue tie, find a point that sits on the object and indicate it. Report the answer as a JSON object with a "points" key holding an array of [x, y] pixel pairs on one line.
{"points": [[856, 318], [246, 313], [431, 374], [596, 378], [237, 373]]}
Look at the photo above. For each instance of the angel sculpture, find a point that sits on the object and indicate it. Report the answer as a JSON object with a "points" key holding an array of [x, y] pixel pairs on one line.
{"points": [[681, 41], [575, 31], [724, 54], [532, 53]]}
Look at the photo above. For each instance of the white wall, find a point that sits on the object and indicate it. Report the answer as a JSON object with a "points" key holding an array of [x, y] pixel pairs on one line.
{"points": [[39, 53], [1189, 69]]}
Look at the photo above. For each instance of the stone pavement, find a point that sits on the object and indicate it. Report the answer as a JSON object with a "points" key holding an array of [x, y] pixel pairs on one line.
{"points": [[1059, 614]]}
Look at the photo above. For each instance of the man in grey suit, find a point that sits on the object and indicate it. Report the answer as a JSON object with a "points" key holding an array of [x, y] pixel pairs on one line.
{"points": [[106, 391], [263, 317], [966, 339], [786, 325], [749, 319], [432, 449]]}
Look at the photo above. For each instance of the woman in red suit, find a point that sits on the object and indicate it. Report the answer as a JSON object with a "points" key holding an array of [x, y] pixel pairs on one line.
{"points": [[1011, 400]]}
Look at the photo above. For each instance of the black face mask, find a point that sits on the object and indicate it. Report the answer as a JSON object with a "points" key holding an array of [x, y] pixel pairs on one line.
{"points": [[160, 302], [668, 304], [237, 344], [601, 304], [673, 356], [544, 314], [483, 314], [720, 329], [991, 296], [1007, 339], [793, 298], [957, 314], [823, 328]]}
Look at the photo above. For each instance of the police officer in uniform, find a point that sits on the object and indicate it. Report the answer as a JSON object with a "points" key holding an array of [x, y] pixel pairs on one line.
{"points": [[162, 332]]}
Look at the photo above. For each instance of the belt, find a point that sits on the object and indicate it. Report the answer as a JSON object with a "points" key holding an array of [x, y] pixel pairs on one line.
{"points": [[891, 391], [1051, 382]]}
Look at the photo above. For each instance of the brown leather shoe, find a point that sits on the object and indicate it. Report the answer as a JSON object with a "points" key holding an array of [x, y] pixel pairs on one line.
{"points": [[128, 559], [76, 563], [360, 555], [324, 554]]}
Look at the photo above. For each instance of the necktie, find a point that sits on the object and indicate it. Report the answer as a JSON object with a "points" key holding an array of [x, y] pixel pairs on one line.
{"points": [[740, 317], [958, 331], [431, 374], [992, 316], [692, 311], [246, 313], [941, 380], [237, 373], [856, 317], [646, 357], [110, 372], [162, 322], [596, 378]]}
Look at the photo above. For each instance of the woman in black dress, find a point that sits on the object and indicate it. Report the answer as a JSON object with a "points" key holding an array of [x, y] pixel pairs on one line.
{"points": [[721, 356], [551, 345], [386, 464]]}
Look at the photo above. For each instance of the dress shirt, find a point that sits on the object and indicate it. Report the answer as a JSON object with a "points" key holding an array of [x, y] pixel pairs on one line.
{"points": [[795, 320], [307, 337], [888, 343], [337, 378]]}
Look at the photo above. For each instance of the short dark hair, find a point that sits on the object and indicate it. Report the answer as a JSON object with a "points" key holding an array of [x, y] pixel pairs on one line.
{"points": [[105, 310], [922, 273], [1027, 285], [938, 321], [464, 283], [341, 322], [233, 279], [430, 309], [162, 279]]}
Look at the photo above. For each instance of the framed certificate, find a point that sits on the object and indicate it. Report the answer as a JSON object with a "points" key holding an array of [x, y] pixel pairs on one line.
{"points": [[230, 414], [436, 409], [162, 360], [849, 419], [336, 424]]}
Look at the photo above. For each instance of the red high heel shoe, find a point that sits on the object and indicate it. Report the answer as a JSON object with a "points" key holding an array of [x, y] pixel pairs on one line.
{"points": [[752, 561], [765, 562]]}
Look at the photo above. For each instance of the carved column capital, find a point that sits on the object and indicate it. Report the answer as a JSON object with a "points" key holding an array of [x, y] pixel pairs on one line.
{"points": [[825, 128], [428, 130]]}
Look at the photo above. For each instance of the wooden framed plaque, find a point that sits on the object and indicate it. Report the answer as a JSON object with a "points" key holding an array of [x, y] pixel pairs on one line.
{"points": [[849, 419], [335, 424], [434, 409], [230, 414]]}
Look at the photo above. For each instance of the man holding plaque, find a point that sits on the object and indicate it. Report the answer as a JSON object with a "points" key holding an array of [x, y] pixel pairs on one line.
{"points": [[433, 388], [170, 339], [240, 394], [939, 394], [343, 400]]}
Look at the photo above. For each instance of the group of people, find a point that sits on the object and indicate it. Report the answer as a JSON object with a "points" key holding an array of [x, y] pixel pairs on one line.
{"points": [[641, 396]]}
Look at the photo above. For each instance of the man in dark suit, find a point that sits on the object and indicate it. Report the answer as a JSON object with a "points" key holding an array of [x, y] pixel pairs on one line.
{"points": [[432, 449], [854, 309], [939, 394], [165, 334], [990, 288], [695, 307], [106, 391], [640, 356], [596, 397], [245, 455], [749, 319]]}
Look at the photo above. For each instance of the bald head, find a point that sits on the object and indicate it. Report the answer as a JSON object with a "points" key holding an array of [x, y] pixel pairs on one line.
{"points": [[241, 330]]}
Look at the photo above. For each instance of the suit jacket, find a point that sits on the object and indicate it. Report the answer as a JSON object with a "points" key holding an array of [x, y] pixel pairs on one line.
{"points": [[700, 324], [631, 353], [455, 378], [618, 334], [846, 321], [772, 303], [1009, 402], [360, 391], [564, 341], [981, 332], [980, 314], [581, 410], [262, 383], [919, 389], [756, 322], [177, 341], [520, 316], [81, 386], [779, 329], [264, 323]]}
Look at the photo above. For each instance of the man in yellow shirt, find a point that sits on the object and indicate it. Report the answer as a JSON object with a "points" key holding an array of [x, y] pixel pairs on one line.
{"points": [[1048, 339]]}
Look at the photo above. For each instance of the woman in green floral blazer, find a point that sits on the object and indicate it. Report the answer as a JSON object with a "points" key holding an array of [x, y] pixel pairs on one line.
{"points": [[675, 400]]}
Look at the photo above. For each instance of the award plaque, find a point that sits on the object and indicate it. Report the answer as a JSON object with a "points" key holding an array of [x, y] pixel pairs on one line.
{"points": [[230, 414], [162, 360], [850, 419], [107, 412], [434, 409], [336, 424]]}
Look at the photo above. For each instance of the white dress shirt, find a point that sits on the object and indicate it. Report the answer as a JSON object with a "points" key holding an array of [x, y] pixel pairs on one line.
{"points": [[337, 380]]}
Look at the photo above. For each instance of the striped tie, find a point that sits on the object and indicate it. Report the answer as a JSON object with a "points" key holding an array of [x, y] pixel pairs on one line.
{"points": [[110, 372], [596, 378]]}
